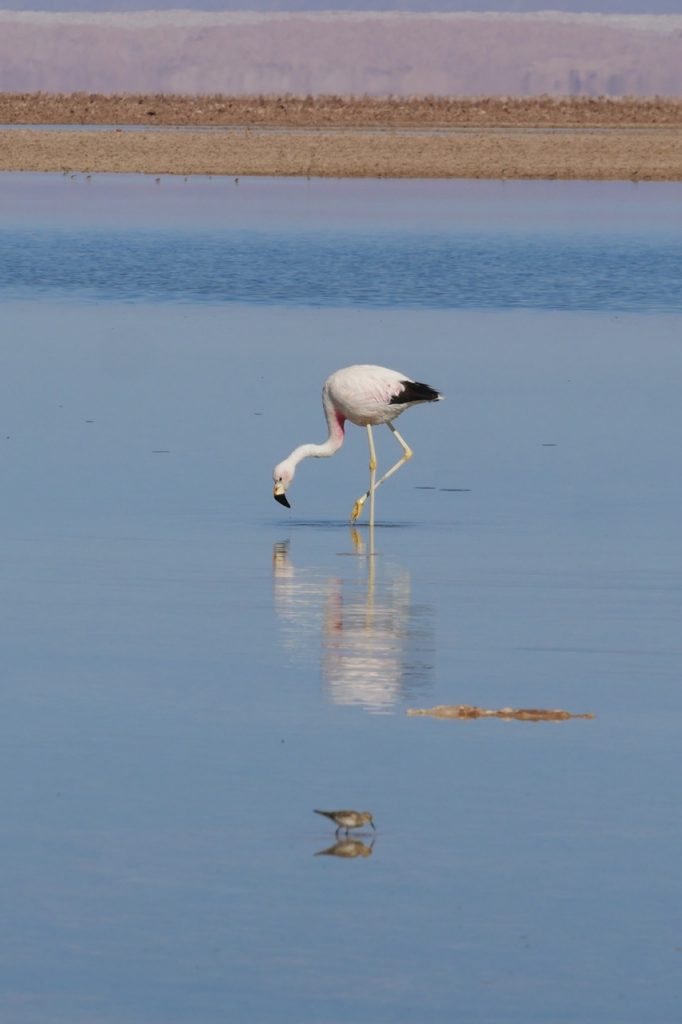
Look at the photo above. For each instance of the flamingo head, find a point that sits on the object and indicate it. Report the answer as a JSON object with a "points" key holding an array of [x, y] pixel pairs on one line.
{"points": [[282, 474]]}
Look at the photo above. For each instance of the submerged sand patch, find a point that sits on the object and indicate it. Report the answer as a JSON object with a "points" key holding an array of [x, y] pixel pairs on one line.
{"points": [[469, 711]]}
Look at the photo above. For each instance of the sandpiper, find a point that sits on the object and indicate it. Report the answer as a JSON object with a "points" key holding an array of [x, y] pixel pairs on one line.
{"points": [[348, 819]]}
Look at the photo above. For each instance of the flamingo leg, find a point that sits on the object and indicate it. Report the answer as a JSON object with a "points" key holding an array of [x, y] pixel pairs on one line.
{"points": [[372, 475], [360, 503], [407, 455]]}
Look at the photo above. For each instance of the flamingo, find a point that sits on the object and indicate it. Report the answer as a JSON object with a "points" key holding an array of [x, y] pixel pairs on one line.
{"points": [[366, 396]]}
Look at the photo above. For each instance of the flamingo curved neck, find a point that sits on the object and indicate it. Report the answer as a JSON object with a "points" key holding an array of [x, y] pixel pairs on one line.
{"points": [[313, 451], [335, 422]]}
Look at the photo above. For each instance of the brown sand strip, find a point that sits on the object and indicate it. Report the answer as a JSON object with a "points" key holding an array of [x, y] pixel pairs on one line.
{"points": [[339, 111], [607, 154]]}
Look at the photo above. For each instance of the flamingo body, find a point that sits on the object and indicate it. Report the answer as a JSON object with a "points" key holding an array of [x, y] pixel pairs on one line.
{"points": [[371, 395], [366, 396]]}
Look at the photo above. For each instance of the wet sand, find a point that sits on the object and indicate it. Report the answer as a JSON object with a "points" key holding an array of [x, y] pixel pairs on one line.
{"points": [[333, 137]]}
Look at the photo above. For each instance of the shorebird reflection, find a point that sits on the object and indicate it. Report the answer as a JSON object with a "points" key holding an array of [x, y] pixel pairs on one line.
{"points": [[347, 848], [375, 646]]}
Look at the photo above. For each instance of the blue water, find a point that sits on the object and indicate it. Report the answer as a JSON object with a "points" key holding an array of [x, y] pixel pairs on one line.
{"points": [[448, 270], [189, 669], [455, 247]]}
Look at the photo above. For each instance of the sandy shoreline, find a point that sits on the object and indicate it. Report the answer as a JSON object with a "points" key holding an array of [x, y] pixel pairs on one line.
{"points": [[332, 137], [518, 153]]}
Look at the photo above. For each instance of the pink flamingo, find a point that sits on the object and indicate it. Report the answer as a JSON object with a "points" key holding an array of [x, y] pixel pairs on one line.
{"points": [[367, 396]]}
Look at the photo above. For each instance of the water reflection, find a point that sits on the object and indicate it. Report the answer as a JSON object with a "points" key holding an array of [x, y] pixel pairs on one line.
{"points": [[375, 646], [347, 848]]}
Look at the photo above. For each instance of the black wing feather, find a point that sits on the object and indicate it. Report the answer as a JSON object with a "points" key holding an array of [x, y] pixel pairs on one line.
{"points": [[413, 391]]}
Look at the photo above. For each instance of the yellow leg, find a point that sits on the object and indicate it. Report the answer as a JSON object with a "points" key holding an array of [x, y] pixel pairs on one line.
{"points": [[360, 503], [372, 475], [407, 455]]}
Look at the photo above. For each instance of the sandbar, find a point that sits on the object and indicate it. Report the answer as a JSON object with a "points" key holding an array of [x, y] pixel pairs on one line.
{"points": [[636, 140]]}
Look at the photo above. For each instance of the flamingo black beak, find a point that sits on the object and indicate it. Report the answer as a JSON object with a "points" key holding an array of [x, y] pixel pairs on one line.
{"points": [[373, 825], [280, 496]]}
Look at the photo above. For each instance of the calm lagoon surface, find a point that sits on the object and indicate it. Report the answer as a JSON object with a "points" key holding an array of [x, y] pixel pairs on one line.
{"points": [[189, 669]]}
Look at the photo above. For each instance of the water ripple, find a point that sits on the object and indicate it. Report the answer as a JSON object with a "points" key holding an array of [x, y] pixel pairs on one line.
{"points": [[344, 269]]}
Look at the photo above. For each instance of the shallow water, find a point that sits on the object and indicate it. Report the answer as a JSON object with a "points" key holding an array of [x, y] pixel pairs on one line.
{"points": [[482, 245], [190, 670]]}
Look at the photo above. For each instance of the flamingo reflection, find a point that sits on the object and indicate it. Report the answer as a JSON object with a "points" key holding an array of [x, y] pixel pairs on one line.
{"points": [[375, 647]]}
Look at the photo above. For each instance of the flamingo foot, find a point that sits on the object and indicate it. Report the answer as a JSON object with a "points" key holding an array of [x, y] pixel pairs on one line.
{"points": [[358, 507]]}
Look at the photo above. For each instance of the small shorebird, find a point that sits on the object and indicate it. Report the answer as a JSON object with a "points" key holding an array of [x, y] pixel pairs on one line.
{"points": [[348, 819], [366, 396]]}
